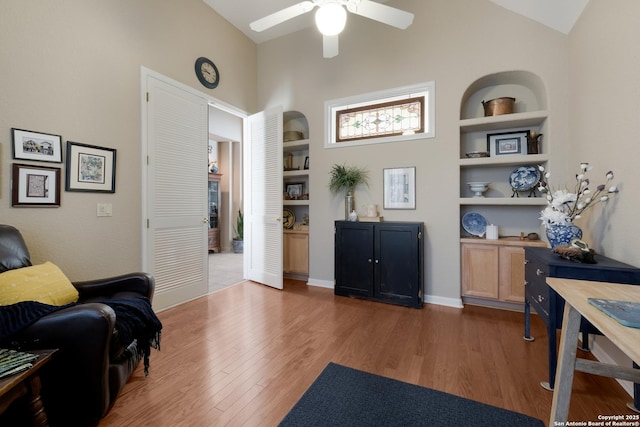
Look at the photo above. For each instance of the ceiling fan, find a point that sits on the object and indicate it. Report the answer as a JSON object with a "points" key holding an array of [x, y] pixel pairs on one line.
{"points": [[331, 17]]}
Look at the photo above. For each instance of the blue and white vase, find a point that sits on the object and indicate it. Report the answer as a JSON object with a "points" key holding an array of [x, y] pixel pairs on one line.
{"points": [[562, 234]]}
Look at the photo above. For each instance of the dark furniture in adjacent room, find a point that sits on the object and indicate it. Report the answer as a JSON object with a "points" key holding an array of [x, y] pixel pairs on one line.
{"points": [[541, 263], [380, 261], [94, 360]]}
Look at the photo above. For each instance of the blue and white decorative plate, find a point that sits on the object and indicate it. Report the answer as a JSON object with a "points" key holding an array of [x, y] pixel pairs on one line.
{"points": [[474, 224], [524, 178]]}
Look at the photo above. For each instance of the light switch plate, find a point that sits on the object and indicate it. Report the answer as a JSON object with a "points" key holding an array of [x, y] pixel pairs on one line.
{"points": [[105, 209]]}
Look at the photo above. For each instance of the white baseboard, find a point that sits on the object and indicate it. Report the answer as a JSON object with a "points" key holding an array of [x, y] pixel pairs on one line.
{"points": [[320, 283], [449, 302], [429, 299]]}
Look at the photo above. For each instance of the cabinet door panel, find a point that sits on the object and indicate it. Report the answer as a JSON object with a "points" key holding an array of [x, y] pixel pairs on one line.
{"points": [[397, 262], [296, 253], [354, 259], [480, 271], [512, 274]]}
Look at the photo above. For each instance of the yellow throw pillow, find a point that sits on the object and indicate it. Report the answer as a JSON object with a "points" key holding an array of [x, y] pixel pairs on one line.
{"points": [[44, 283]]}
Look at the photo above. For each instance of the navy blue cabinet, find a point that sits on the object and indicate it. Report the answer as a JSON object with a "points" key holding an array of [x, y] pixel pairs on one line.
{"points": [[541, 263], [380, 261]]}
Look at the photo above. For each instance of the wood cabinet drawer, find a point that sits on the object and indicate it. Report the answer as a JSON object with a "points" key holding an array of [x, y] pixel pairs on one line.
{"points": [[537, 290]]}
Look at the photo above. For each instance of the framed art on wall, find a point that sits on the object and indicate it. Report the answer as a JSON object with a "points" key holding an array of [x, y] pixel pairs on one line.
{"points": [[35, 186], [508, 143], [399, 188], [38, 146], [90, 168]]}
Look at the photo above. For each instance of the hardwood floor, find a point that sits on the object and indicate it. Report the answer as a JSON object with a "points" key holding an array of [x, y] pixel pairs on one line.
{"points": [[244, 355]]}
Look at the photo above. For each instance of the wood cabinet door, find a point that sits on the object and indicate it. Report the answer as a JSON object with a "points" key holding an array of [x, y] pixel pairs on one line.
{"points": [[354, 259], [397, 253], [296, 253], [480, 276], [512, 273]]}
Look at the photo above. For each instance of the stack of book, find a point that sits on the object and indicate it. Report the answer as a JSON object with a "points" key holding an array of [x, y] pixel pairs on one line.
{"points": [[13, 362]]}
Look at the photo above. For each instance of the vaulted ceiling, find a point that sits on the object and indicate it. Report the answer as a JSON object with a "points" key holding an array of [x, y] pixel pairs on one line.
{"points": [[560, 15]]}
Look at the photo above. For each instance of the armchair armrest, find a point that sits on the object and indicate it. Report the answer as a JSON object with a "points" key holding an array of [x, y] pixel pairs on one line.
{"points": [[74, 381], [141, 283]]}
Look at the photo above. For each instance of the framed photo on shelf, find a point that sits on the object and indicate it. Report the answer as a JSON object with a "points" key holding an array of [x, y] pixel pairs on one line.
{"points": [[38, 146], [35, 186], [507, 143], [306, 163], [295, 190], [399, 188], [90, 168]]}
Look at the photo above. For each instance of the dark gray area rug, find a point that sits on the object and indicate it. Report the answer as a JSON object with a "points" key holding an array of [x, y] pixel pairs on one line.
{"points": [[343, 396]]}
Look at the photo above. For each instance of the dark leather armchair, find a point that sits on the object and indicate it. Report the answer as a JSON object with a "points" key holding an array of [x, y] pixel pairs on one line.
{"points": [[92, 364]]}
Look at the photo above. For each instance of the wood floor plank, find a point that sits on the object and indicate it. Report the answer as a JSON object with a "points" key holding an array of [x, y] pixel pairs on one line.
{"points": [[244, 355]]}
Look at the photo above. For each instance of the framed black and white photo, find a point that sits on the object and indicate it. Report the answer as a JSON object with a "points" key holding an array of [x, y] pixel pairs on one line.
{"points": [[38, 146], [35, 186], [507, 143], [399, 188], [295, 190], [90, 168]]}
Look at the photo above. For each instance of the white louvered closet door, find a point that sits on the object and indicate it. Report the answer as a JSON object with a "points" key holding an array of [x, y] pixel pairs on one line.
{"points": [[263, 199], [176, 246]]}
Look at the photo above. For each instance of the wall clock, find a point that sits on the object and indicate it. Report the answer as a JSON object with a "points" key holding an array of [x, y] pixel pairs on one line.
{"points": [[207, 72]]}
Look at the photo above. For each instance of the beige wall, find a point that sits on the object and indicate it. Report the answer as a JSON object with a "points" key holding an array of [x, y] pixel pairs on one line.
{"points": [[73, 68], [605, 119], [452, 42], [605, 124]]}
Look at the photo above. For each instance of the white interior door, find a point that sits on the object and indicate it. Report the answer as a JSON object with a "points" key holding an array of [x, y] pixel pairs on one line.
{"points": [[176, 192], [263, 199]]}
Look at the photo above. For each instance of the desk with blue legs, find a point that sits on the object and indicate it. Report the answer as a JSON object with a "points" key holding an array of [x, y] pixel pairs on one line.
{"points": [[575, 294]]}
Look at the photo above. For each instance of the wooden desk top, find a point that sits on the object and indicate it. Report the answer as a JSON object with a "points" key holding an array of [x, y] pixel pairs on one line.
{"points": [[576, 292]]}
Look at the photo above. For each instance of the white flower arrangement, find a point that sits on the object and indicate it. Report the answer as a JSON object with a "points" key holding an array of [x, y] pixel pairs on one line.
{"points": [[564, 206]]}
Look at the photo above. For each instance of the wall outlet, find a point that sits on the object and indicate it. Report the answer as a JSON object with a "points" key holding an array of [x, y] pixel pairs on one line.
{"points": [[105, 209]]}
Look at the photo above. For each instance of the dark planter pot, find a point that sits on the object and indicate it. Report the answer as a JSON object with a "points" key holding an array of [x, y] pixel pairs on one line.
{"points": [[237, 246]]}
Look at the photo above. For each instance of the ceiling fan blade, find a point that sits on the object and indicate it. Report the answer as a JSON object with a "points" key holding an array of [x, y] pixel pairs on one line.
{"points": [[281, 16], [330, 46], [385, 14]]}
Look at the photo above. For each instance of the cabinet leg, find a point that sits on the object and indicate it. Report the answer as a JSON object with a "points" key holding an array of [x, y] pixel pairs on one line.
{"points": [[584, 346], [527, 322], [553, 359]]}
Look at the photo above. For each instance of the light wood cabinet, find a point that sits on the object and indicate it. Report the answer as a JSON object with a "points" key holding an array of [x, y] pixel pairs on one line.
{"points": [[296, 252], [493, 270]]}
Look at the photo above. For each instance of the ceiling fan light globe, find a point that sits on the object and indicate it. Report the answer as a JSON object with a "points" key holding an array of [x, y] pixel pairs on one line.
{"points": [[331, 19]]}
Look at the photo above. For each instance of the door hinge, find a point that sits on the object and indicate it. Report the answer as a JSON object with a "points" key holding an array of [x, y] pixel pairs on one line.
{"points": [[147, 222], [147, 96], [419, 235]]}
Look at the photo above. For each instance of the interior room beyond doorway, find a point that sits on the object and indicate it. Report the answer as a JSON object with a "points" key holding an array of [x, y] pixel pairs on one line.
{"points": [[225, 167]]}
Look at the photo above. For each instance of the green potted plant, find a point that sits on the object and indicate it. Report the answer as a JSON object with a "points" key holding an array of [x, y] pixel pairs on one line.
{"points": [[238, 240], [347, 178]]}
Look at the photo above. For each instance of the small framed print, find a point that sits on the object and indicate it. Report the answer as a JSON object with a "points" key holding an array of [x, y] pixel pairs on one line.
{"points": [[35, 186], [38, 146], [399, 188], [507, 143], [295, 191], [90, 168]]}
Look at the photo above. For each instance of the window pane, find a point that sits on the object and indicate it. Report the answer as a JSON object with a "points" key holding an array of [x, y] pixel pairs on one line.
{"points": [[405, 116]]}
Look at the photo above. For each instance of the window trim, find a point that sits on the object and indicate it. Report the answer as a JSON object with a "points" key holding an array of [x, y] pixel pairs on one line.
{"points": [[332, 107]]}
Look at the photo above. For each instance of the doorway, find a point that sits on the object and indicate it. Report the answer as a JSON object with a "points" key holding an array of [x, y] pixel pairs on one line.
{"points": [[225, 161]]}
